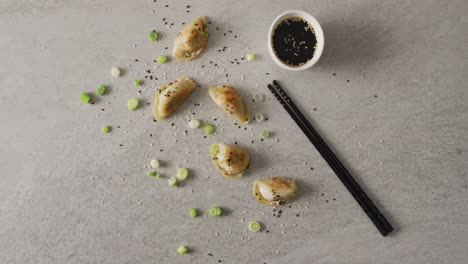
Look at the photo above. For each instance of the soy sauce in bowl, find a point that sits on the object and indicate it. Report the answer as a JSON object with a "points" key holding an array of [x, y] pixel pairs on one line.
{"points": [[294, 41]]}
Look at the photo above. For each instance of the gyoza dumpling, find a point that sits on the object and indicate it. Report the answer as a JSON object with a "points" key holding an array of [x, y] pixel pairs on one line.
{"points": [[230, 101], [171, 95], [230, 160], [275, 191], [191, 40]]}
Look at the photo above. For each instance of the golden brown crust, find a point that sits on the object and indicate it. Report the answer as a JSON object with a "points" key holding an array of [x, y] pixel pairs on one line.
{"points": [[275, 191], [231, 102], [191, 40], [230, 160], [171, 95]]}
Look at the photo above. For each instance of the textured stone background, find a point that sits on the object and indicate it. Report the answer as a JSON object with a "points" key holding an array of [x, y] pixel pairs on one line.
{"points": [[71, 194]]}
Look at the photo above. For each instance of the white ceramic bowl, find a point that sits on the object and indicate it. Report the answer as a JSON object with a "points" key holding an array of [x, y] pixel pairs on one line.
{"points": [[318, 34]]}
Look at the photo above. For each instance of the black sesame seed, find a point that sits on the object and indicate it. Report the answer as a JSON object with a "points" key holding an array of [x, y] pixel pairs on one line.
{"points": [[209, 254], [121, 145], [334, 74], [347, 80], [161, 150]]}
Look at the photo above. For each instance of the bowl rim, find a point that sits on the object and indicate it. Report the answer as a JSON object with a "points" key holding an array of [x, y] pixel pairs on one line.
{"points": [[318, 34]]}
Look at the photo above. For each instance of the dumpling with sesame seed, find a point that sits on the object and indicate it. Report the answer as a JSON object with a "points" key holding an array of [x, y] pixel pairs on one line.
{"points": [[191, 40], [231, 102], [171, 95], [275, 191], [230, 160]]}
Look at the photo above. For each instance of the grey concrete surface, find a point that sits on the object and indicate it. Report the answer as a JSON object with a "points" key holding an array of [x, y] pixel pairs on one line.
{"points": [[71, 194]]}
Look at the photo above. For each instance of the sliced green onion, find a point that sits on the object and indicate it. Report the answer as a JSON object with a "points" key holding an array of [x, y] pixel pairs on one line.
{"points": [[251, 57], [254, 226], [194, 123], [182, 174], [259, 117], [182, 250], [153, 36], [172, 182], [132, 104], [137, 82], [265, 134], [192, 212], [101, 89], [203, 33], [105, 129], [115, 72], [214, 149], [162, 59], [209, 128], [154, 163], [216, 211], [85, 98], [155, 174]]}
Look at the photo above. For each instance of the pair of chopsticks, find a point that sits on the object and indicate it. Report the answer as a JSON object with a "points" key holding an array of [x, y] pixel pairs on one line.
{"points": [[346, 178]]}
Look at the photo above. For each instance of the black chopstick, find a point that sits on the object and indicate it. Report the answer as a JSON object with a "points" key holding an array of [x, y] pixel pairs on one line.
{"points": [[346, 178]]}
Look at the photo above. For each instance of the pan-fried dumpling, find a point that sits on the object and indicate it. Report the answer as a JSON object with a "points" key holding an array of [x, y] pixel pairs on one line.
{"points": [[191, 40], [230, 101], [230, 160], [171, 95], [275, 191]]}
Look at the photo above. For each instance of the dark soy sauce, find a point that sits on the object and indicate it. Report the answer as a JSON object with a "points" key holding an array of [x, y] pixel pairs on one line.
{"points": [[294, 41]]}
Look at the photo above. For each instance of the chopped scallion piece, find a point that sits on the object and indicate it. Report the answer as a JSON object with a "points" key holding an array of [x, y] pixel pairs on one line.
{"points": [[105, 129], [254, 226], [85, 98], [155, 174], [192, 212], [251, 57], [209, 128], [259, 117], [194, 123], [214, 149], [132, 104], [172, 182], [265, 134], [115, 72], [182, 250], [154, 163], [216, 211], [137, 82], [203, 33], [101, 89], [161, 59], [182, 174], [153, 36]]}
